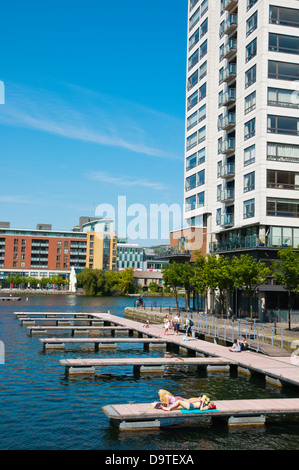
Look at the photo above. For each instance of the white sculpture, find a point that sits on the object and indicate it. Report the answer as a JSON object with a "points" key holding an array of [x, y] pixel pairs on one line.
{"points": [[73, 280]]}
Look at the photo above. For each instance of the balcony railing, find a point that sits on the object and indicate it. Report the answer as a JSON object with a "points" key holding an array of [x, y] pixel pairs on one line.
{"points": [[228, 122], [231, 24], [229, 97], [229, 73], [227, 195], [230, 48], [227, 171], [227, 220], [228, 146]]}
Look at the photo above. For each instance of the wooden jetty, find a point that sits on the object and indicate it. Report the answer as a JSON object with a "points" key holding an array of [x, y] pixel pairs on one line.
{"points": [[146, 364], [60, 320], [42, 329], [43, 315], [235, 412], [100, 343]]}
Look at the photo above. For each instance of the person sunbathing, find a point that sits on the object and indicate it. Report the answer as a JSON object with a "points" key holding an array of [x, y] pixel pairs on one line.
{"points": [[196, 403]]}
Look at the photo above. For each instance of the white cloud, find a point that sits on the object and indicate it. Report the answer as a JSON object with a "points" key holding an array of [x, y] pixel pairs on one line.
{"points": [[17, 200], [104, 177], [91, 117]]}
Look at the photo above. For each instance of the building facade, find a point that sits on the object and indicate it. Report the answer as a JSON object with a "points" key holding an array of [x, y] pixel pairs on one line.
{"points": [[101, 252], [40, 252], [242, 124]]}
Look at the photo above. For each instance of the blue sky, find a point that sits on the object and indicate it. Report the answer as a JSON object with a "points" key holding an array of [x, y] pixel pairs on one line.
{"points": [[94, 107]]}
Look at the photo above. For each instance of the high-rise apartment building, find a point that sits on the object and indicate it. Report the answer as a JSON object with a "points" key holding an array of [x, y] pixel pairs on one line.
{"points": [[242, 124]]}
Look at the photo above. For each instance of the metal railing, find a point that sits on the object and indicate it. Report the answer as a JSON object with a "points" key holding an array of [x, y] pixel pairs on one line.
{"points": [[227, 330]]}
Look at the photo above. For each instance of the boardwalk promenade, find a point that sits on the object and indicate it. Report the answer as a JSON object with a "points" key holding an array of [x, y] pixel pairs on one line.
{"points": [[278, 370]]}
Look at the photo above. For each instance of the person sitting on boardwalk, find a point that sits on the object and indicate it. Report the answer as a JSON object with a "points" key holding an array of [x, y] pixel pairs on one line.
{"points": [[198, 403], [236, 346], [244, 343]]}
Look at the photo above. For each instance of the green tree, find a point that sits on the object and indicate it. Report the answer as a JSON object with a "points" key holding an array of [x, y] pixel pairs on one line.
{"points": [[186, 276], [126, 281], [199, 280], [250, 274], [286, 273], [171, 278]]}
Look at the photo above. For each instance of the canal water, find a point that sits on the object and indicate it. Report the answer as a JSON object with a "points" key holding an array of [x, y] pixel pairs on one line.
{"points": [[42, 409]]}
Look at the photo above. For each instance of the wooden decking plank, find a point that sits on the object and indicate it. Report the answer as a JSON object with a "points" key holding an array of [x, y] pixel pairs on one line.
{"points": [[225, 408]]}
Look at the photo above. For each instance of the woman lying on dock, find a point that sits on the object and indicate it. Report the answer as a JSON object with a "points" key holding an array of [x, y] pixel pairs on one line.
{"points": [[197, 403], [166, 398]]}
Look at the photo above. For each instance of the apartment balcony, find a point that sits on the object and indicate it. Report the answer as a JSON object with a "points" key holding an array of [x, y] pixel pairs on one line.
{"points": [[228, 146], [230, 48], [230, 4], [230, 72], [231, 24], [227, 195], [227, 171], [228, 122], [227, 220], [229, 97]]}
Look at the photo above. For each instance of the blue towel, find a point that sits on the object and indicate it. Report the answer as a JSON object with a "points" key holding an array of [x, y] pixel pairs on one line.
{"points": [[198, 411]]}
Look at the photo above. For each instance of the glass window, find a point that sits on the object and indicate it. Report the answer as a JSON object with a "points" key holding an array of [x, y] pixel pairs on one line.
{"points": [[283, 98], [204, 7], [202, 134], [193, 3], [249, 129], [250, 4], [251, 50], [192, 120], [221, 52], [203, 49], [194, 39], [251, 24], [192, 80], [249, 155], [221, 29], [190, 203], [283, 70], [249, 182], [250, 76], [194, 19], [284, 16], [282, 179], [283, 43], [202, 113], [191, 161], [192, 100], [201, 178], [283, 125], [282, 207], [202, 70], [201, 156], [283, 152], [193, 59], [249, 209], [201, 199], [191, 141], [250, 102], [202, 92], [204, 27], [190, 182]]}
